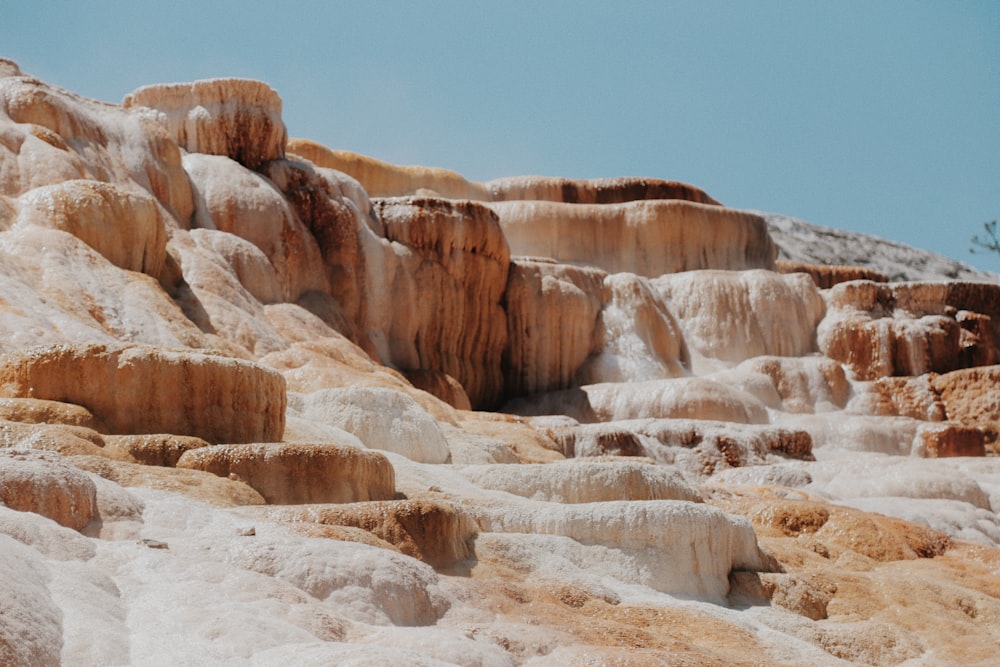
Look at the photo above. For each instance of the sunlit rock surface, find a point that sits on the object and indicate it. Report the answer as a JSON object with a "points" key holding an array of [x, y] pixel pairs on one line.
{"points": [[237, 385]]}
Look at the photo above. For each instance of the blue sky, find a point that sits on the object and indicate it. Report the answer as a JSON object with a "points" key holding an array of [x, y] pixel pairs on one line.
{"points": [[878, 116]]}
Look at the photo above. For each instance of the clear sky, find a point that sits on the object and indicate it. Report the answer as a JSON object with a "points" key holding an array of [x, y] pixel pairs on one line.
{"points": [[875, 116]]}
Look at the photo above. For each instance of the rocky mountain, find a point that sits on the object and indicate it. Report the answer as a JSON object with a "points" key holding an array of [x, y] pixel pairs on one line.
{"points": [[266, 402]]}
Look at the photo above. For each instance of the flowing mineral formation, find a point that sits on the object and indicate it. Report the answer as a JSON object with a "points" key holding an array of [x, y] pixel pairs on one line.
{"points": [[268, 402]]}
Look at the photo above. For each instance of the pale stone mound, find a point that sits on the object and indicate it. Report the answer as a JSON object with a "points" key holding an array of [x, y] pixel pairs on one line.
{"points": [[677, 547], [238, 118], [231, 198], [446, 291], [291, 474], [584, 481], [31, 627], [125, 227], [383, 179], [52, 136], [734, 316], [135, 389], [649, 238], [592, 191], [381, 418], [826, 276], [43, 484], [911, 328]]}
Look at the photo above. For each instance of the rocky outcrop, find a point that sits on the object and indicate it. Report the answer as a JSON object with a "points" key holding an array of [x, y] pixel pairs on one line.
{"points": [[942, 440], [826, 276], [764, 313], [438, 533], [592, 191], [41, 483], [382, 179], [972, 397], [135, 389], [230, 198], [293, 474], [552, 324], [38, 411], [125, 227], [911, 328], [649, 238], [446, 289], [156, 449], [239, 118]]}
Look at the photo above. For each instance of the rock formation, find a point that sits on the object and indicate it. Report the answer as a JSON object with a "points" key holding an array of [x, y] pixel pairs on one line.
{"points": [[244, 394]]}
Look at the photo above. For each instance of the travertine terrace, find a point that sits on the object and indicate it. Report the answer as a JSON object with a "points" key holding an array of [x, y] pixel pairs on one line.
{"points": [[268, 402]]}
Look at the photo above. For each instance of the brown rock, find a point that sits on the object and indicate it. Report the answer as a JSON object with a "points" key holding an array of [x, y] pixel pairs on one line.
{"points": [[648, 238], [135, 389], [238, 118], [158, 449], [972, 397], [826, 275], [62, 439], [904, 397], [43, 484], [911, 328], [438, 533], [942, 440], [290, 474], [446, 312], [441, 385], [593, 191], [552, 324]]}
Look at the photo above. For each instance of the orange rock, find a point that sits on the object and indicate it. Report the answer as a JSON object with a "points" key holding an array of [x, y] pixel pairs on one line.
{"points": [[158, 449], [435, 532], [38, 411], [911, 328], [291, 474], [135, 389], [42, 483], [972, 397], [446, 313], [943, 440], [826, 276]]}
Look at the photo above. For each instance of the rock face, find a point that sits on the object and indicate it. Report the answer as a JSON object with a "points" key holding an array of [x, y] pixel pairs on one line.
{"points": [[237, 385], [287, 474], [911, 328], [446, 289], [143, 390], [238, 118], [649, 238]]}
